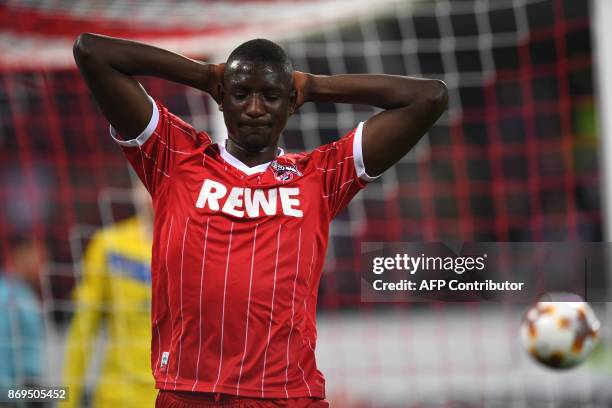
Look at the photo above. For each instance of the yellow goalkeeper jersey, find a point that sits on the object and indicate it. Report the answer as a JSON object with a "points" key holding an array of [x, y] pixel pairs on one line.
{"points": [[115, 288]]}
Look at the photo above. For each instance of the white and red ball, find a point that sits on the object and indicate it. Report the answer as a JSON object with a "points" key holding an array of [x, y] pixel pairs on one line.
{"points": [[560, 334]]}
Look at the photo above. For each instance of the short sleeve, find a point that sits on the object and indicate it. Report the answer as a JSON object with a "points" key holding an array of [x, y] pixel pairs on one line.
{"points": [[154, 153], [343, 171]]}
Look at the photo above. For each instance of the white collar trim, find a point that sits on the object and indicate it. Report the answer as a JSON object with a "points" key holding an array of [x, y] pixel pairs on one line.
{"points": [[260, 168]]}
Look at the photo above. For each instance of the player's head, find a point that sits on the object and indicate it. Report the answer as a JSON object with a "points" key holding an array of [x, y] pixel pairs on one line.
{"points": [[257, 94], [27, 258]]}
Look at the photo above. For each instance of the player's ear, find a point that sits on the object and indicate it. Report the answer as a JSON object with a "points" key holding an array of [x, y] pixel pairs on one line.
{"points": [[293, 102]]}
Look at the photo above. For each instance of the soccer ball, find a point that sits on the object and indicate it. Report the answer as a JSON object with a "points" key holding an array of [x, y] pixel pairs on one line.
{"points": [[560, 334]]}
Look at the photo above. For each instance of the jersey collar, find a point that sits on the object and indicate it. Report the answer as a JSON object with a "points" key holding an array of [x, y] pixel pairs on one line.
{"points": [[260, 168]]}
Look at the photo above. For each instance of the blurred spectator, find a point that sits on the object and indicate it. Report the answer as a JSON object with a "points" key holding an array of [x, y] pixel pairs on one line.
{"points": [[21, 323], [114, 289]]}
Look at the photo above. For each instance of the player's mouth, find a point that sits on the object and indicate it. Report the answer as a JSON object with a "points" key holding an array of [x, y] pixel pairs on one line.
{"points": [[255, 125], [255, 128]]}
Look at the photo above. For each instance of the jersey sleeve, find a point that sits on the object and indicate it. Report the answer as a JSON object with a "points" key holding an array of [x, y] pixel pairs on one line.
{"points": [[154, 153], [343, 171]]}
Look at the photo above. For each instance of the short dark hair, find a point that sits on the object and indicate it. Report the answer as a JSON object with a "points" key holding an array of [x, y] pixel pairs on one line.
{"points": [[262, 51], [17, 241]]}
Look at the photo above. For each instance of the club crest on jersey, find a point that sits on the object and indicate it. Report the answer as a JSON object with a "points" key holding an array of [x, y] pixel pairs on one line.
{"points": [[285, 172]]}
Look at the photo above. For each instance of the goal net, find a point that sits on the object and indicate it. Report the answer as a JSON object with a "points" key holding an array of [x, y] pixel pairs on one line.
{"points": [[514, 158]]}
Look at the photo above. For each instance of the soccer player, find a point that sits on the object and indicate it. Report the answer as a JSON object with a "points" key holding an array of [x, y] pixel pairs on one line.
{"points": [[115, 290], [241, 227], [22, 332]]}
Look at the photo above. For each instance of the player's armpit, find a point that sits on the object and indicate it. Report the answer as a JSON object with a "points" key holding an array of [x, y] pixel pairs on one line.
{"points": [[389, 135], [411, 106]]}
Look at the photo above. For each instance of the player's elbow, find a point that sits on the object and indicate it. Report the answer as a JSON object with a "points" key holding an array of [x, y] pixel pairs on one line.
{"points": [[437, 95], [83, 47]]}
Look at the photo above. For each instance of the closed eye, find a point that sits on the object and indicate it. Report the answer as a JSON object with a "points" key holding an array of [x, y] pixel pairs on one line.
{"points": [[239, 95], [272, 97]]}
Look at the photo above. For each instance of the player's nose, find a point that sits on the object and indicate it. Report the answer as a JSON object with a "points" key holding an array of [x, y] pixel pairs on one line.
{"points": [[255, 106]]}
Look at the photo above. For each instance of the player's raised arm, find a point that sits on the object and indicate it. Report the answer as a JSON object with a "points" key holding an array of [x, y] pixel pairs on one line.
{"points": [[411, 106], [109, 65]]}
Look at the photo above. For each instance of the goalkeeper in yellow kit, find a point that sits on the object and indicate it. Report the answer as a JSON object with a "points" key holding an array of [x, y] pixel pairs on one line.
{"points": [[115, 289]]}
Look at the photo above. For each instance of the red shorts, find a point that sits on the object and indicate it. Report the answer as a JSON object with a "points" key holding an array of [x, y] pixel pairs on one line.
{"points": [[180, 399]]}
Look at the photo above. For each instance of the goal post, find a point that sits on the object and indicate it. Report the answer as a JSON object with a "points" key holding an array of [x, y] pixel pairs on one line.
{"points": [[601, 17]]}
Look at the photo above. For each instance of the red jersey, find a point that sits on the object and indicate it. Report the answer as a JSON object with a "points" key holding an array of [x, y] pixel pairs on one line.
{"points": [[237, 258]]}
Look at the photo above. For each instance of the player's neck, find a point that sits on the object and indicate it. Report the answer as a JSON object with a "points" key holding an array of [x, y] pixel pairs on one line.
{"points": [[251, 158]]}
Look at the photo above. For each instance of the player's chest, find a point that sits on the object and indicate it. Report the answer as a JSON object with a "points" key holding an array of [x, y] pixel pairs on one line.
{"points": [[216, 188]]}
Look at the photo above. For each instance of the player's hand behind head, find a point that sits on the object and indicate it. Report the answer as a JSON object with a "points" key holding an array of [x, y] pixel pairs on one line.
{"points": [[300, 86], [214, 81]]}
